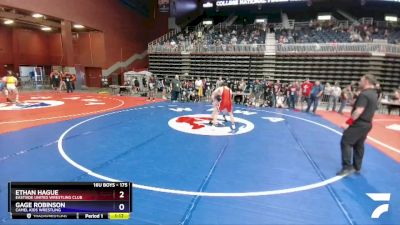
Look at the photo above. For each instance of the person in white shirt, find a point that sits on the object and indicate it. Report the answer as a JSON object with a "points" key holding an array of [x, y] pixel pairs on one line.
{"points": [[280, 100], [219, 82], [327, 93], [336, 91], [242, 86], [234, 40], [198, 84]]}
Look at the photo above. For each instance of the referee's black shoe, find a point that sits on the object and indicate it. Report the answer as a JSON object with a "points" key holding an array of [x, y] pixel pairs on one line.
{"points": [[345, 171]]}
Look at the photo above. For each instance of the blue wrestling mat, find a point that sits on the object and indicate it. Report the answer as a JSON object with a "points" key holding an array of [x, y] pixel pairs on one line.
{"points": [[276, 167]]}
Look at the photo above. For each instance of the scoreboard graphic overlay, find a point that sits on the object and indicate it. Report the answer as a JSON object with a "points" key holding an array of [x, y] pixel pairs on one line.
{"points": [[72, 200]]}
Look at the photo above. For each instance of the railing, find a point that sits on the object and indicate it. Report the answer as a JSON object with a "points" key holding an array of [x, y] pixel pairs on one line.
{"points": [[343, 23], [378, 48], [250, 48], [367, 20], [163, 38], [339, 48]]}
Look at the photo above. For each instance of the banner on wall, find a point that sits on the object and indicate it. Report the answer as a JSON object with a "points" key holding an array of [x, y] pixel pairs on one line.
{"points": [[163, 5]]}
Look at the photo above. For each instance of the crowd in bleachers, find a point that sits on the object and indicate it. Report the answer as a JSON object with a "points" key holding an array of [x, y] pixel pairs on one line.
{"points": [[224, 37], [332, 32], [218, 36]]}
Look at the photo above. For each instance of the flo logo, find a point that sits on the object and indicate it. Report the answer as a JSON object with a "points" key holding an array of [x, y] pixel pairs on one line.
{"points": [[30, 104], [199, 124], [379, 197]]}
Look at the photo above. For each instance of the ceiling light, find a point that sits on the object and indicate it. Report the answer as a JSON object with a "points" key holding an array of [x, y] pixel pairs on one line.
{"points": [[8, 22], [261, 20], [37, 15], [78, 26], [207, 22], [46, 28], [391, 18], [324, 17]]}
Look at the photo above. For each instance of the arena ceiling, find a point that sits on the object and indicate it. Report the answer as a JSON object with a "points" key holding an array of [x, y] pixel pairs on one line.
{"points": [[306, 9]]}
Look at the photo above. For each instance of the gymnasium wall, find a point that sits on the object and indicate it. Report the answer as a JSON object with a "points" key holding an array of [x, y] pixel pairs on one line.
{"points": [[35, 47], [125, 32]]}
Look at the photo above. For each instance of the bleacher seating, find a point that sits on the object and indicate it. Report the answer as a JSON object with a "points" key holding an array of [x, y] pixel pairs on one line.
{"points": [[318, 60]]}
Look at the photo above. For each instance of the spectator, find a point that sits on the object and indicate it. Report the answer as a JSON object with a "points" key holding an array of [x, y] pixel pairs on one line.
{"points": [[315, 95], [55, 79], [327, 92], [395, 98], [280, 100], [11, 83], [345, 96], [144, 82], [136, 84], [63, 84], [68, 81], [162, 88], [199, 88], [152, 88], [219, 82], [292, 95], [242, 86], [208, 87], [277, 88], [396, 95], [378, 90], [257, 89], [306, 88], [335, 95], [175, 88]]}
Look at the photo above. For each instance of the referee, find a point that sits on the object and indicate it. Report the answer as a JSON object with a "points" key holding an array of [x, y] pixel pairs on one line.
{"points": [[358, 126]]}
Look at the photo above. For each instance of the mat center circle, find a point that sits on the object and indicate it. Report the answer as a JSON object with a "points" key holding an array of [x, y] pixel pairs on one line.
{"points": [[199, 124]]}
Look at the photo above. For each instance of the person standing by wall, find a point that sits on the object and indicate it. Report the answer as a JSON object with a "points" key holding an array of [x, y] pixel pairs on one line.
{"points": [[198, 85], [68, 82], [292, 95], [73, 80], [137, 85], [219, 82], [276, 89], [208, 89], [152, 88], [55, 79], [2, 86], [315, 95], [358, 126], [175, 88], [327, 93], [306, 88], [63, 85], [162, 88], [345, 96], [11, 82], [378, 89], [334, 97]]}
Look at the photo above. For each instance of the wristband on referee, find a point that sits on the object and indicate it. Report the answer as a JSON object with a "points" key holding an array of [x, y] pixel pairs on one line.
{"points": [[350, 121]]}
